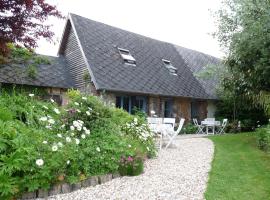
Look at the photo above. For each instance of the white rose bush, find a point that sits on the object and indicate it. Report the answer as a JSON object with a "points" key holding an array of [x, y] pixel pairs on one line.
{"points": [[42, 143]]}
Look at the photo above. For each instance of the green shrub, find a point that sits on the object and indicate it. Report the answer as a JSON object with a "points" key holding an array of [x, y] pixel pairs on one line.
{"points": [[42, 144], [263, 138], [5, 114], [189, 129]]}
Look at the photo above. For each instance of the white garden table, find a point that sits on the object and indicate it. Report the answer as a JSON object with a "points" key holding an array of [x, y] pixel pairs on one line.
{"points": [[211, 124]]}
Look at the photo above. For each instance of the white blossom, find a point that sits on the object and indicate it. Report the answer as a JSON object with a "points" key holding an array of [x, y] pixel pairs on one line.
{"points": [[72, 134], [39, 162], [48, 127], [87, 113], [84, 98], [31, 95], [60, 144], [52, 100], [87, 132], [147, 148], [59, 135], [72, 128], [83, 136], [45, 142], [68, 162], [56, 111], [51, 121], [90, 109], [77, 141], [98, 149], [79, 111], [68, 139], [129, 146], [45, 107], [43, 119], [54, 148], [76, 103]]}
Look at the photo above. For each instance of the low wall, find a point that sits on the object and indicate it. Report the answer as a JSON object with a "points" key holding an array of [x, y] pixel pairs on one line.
{"points": [[63, 188]]}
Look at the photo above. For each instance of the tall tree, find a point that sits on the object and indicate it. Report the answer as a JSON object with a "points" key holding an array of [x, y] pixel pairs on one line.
{"points": [[244, 32], [22, 22]]}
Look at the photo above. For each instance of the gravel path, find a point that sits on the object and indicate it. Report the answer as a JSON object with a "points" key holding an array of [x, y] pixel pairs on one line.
{"points": [[177, 173]]}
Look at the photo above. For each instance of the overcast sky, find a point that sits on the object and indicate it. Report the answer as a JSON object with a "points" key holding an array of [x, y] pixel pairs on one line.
{"points": [[187, 23]]}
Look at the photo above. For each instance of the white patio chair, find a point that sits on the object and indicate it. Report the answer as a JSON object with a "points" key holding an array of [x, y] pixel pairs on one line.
{"points": [[200, 127], [171, 135], [153, 123], [170, 121], [223, 126], [210, 119]]}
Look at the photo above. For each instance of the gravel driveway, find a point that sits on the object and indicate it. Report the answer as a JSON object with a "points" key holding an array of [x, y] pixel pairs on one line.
{"points": [[177, 173]]}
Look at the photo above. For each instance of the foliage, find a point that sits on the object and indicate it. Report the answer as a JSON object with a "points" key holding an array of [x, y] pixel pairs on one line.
{"points": [[244, 32], [42, 144], [139, 130], [239, 108], [131, 166], [22, 22], [238, 166], [263, 138], [31, 71], [24, 59], [190, 128]]}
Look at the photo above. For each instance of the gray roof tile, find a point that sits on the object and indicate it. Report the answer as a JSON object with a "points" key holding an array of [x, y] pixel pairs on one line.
{"points": [[99, 43], [197, 62], [54, 74]]}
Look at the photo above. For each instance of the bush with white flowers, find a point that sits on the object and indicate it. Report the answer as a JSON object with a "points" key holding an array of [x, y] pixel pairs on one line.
{"points": [[42, 143]]}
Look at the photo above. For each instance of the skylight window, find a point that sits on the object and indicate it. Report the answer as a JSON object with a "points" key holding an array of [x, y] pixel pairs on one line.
{"points": [[127, 57], [169, 66]]}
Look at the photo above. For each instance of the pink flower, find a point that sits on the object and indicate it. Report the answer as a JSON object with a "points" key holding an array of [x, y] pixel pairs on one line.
{"points": [[130, 159]]}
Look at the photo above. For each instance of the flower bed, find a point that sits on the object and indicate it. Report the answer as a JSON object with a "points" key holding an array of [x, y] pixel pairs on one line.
{"points": [[42, 144]]}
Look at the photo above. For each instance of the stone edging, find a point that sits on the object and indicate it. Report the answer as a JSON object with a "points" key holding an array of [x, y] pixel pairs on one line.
{"points": [[67, 188]]}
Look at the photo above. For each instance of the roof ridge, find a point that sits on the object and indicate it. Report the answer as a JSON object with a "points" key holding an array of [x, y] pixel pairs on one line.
{"points": [[138, 34]]}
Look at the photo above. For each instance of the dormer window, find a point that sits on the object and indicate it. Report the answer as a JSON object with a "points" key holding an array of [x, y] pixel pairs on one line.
{"points": [[127, 57], [168, 65]]}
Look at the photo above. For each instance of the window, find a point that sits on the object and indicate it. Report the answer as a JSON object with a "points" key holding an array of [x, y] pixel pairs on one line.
{"points": [[139, 103], [127, 57], [128, 103], [194, 109], [169, 66], [168, 105], [124, 102]]}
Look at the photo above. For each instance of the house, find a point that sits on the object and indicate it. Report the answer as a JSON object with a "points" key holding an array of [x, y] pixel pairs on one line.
{"points": [[128, 70]]}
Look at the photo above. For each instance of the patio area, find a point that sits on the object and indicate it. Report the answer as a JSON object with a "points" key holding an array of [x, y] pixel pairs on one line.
{"points": [[177, 173]]}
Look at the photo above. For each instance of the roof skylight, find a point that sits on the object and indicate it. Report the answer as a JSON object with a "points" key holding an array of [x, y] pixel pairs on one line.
{"points": [[169, 66], [127, 57]]}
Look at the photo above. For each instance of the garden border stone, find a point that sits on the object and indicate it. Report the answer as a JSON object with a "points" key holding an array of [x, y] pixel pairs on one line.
{"points": [[67, 188]]}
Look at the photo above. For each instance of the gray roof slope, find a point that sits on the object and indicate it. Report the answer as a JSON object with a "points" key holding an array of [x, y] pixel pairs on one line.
{"points": [[198, 62], [99, 43], [54, 74]]}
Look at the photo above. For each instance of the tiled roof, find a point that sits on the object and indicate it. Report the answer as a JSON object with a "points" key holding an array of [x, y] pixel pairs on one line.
{"points": [[54, 74], [198, 62], [99, 43]]}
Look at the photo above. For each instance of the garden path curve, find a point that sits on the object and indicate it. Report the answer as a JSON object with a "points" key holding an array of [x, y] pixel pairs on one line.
{"points": [[177, 173]]}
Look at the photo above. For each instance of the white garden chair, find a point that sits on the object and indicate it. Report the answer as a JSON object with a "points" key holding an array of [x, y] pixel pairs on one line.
{"points": [[170, 121], [210, 119], [154, 123], [223, 126], [172, 134], [200, 127]]}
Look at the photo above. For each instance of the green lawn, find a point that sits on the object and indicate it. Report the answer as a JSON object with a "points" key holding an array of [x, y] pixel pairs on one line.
{"points": [[239, 169]]}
